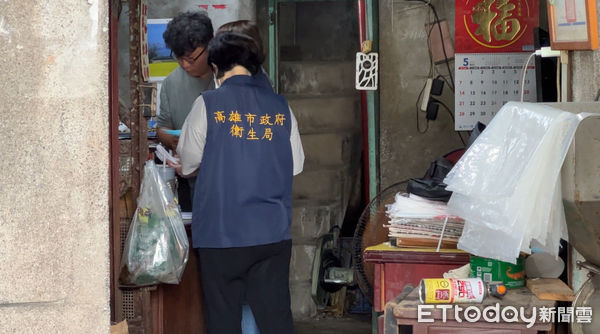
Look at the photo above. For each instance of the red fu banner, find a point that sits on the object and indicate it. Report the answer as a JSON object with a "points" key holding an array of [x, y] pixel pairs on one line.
{"points": [[484, 26]]}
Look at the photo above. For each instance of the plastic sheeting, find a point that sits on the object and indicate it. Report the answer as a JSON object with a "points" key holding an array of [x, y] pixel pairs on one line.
{"points": [[507, 185]]}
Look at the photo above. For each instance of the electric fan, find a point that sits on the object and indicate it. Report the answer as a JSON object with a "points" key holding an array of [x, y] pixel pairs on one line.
{"points": [[369, 232]]}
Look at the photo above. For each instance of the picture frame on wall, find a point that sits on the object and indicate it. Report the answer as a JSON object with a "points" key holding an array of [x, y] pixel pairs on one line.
{"points": [[573, 24]]}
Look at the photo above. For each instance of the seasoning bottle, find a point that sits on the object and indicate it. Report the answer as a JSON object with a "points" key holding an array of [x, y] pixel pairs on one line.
{"points": [[457, 291]]}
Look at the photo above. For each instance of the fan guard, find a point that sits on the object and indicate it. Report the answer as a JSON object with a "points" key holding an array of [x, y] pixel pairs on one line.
{"points": [[369, 232]]}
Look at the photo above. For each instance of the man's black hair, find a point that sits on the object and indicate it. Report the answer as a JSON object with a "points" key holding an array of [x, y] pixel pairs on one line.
{"points": [[188, 31], [229, 49]]}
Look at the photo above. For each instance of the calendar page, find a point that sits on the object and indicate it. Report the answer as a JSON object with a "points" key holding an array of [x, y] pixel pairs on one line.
{"points": [[485, 82]]}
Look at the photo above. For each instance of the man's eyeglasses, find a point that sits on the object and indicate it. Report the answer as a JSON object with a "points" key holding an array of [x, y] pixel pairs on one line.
{"points": [[188, 60]]}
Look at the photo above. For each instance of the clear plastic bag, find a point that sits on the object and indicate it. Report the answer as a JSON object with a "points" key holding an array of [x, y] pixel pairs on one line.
{"points": [[507, 185], [156, 249]]}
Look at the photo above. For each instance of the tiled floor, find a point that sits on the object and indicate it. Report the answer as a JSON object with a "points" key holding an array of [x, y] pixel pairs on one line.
{"points": [[350, 324]]}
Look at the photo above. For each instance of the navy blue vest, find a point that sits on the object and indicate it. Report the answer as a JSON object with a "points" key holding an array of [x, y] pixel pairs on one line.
{"points": [[243, 192]]}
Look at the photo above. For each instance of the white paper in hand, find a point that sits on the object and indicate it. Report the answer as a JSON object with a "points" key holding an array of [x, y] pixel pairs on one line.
{"points": [[164, 155]]}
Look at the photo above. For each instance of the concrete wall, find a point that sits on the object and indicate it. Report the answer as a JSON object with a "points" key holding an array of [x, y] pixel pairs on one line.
{"points": [[586, 75], [54, 216], [233, 10], [318, 42], [404, 65], [321, 31]]}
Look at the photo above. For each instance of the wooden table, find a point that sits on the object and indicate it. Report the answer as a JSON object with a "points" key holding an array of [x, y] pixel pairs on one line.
{"points": [[395, 267], [406, 314]]}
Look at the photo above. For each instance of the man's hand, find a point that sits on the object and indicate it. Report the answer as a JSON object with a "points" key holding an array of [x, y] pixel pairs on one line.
{"points": [[169, 141]]}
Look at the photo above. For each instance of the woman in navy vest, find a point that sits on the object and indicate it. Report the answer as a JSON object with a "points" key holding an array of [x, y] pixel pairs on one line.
{"points": [[242, 141]]}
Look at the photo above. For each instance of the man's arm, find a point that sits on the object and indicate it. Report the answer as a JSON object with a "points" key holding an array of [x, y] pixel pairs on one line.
{"points": [[193, 138], [166, 139], [164, 120]]}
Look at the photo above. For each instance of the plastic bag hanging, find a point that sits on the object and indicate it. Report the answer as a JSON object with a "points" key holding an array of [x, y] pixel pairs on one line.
{"points": [[507, 185], [156, 249]]}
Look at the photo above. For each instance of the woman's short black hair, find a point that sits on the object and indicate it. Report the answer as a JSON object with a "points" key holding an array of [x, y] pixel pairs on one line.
{"points": [[229, 49], [245, 27], [188, 31]]}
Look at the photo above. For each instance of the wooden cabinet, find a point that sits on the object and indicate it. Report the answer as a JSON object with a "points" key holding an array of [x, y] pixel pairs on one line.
{"points": [[179, 307], [167, 308], [396, 267]]}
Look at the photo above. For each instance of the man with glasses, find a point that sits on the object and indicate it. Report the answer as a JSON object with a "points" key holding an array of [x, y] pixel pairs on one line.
{"points": [[187, 35]]}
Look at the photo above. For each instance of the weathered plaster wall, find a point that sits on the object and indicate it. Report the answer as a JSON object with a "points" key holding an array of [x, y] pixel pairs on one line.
{"points": [[54, 217], [403, 68], [324, 31], [318, 42], [586, 75], [404, 65]]}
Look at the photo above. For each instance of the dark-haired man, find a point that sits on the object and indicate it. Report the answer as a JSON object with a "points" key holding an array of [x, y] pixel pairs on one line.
{"points": [[187, 35]]}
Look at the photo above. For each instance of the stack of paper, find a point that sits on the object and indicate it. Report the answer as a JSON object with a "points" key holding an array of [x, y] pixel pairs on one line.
{"points": [[418, 222]]}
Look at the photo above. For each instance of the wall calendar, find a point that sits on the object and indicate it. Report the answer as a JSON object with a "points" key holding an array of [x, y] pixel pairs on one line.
{"points": [[494, 38], [485, 82]]}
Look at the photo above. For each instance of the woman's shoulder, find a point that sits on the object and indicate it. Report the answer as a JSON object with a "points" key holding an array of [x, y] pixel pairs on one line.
{"points": [[262, 79]]}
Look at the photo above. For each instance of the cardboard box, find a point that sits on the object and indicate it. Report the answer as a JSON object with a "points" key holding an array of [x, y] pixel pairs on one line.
{"points": [[512, 275]]}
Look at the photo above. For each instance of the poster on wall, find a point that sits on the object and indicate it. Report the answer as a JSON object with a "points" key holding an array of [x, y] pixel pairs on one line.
{"points": [[573, 24], [494, 38], [162, 62]]}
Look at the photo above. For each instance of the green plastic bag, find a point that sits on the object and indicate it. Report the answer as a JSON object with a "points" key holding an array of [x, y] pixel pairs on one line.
{"points": [[156, 250]]}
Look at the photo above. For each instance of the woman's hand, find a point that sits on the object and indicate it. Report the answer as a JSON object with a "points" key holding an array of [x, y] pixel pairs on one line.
{"points": [[177, 167]]}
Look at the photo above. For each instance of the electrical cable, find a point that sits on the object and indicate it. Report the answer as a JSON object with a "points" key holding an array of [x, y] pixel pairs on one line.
{"points": [[417, 115], [447, 82], [444, 105], [429, 75], [451, 116], [437, 22], [432, 67], [558, 81], [446, 60], [524, 72]]}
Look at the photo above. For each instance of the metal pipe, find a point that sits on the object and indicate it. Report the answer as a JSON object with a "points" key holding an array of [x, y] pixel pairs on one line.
{"points": [[362, 36], [274, 43], [362, 26], [372, 102]]}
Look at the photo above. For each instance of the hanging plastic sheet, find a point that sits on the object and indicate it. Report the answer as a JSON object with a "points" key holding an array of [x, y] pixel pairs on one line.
{"points": [[507, 185]]}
